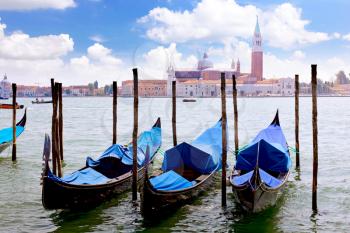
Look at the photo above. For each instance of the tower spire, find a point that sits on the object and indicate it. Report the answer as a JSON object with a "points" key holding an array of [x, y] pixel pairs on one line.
{"points": [[257, 27]]}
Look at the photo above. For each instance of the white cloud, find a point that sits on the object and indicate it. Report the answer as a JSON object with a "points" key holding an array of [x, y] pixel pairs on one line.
{"points": [[19, 45], [97, 38], [346, 37], [336, 35], [284, 27], [22, 5], [219, 20], [103, 55], [154, 62], [298, 54]]}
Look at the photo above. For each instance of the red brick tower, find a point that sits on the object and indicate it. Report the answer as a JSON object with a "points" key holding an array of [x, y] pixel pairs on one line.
{"points": [[257, 54]]}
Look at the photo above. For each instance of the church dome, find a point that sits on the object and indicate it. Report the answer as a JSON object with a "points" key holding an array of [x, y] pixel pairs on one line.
{"points": [[205, 63]]}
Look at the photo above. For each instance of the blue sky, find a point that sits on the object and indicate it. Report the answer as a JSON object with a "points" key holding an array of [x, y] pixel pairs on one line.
{"points": [[134, 33]]}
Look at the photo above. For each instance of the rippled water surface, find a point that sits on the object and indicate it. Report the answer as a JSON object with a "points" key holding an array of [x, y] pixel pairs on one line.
{"points": [[87, 132]]}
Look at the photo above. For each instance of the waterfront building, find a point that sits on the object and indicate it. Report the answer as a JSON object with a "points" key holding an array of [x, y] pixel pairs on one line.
{"points": [[147, 88]]}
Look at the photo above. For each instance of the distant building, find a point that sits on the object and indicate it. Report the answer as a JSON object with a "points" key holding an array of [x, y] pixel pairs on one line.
{"points": [[205, 68], [211, 88], [5, 88], [146, 88]]}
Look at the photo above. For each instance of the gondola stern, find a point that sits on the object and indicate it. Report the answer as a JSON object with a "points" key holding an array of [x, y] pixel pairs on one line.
{"points": [[23, 121], [157, 123], [276, 120], [46, 155]]}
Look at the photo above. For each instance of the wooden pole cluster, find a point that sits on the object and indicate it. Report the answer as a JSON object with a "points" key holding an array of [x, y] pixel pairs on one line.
{"points": [[224, 139], [115, 89], [297, 158], [134, 135], [173, 119], [14, 131], [57, 128], [235, 112], [314, 136]]}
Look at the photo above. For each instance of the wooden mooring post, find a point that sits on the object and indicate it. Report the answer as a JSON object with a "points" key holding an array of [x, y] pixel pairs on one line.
{"points": [[56, 132], [115, 90], [60, 120], [134, 135], [173, 119], [314, 136], [235, 113], [53, 129], [297, 157], [14, 129], [224, 139]]}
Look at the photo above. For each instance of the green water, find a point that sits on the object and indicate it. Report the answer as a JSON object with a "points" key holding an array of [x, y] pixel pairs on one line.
{"points": [[88, 131]]}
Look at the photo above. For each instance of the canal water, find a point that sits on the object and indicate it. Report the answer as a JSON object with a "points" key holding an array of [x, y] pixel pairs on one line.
{"points": [[88, 131]]}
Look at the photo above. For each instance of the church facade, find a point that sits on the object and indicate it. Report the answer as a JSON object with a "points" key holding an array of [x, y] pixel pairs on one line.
{"points": [[205, 73]]}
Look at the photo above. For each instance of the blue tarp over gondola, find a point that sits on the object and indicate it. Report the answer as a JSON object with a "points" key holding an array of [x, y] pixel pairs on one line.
{"points": [[151, 138], [273, 152], [90, 175], [203, 155], [6, 134]]}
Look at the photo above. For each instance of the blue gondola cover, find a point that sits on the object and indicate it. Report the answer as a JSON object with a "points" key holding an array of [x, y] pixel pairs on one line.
{"points": [[265, 177], [89, 175], [273, 152], [151, 138], [170, 180], [203, 155], [6, 134], [85, 176]]}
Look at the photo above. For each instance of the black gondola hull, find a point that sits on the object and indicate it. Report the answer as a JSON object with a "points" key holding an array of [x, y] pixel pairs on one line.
{"points": [[154, 202], [57, 195]]}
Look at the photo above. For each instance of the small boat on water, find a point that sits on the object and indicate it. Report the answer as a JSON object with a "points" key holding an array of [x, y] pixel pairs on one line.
{"points": [[6, 134], [37, 101], [262, 169], [189, 100], [187, 171], [100, 179], [10, 106]]}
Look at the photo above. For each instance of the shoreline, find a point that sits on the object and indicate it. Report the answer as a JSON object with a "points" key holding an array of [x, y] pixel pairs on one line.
{"points": [[180, 97]]}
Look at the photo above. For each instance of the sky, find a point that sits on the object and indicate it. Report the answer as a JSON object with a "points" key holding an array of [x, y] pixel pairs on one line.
{"points": [[80, 41]]}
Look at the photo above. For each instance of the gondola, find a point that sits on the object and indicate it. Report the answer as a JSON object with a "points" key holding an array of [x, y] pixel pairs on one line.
{"points": [[99, 180], [10, 106], [42, 102], [187, 171], [189, 100], [6, 134], [262, 169]]}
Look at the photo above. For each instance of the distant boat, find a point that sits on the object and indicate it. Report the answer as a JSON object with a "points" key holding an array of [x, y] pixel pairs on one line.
{"points": [[6, 134], [262, 169], [189, 100], [101, 179], [188, 170], [4, 98], [42, 101], [10, 106]]}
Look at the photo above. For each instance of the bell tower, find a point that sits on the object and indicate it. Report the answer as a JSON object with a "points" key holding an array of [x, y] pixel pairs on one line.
{"points": [[257, 54]]}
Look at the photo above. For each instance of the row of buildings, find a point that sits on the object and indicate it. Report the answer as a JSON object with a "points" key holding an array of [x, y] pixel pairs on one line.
{"points": [[204, 80]]}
